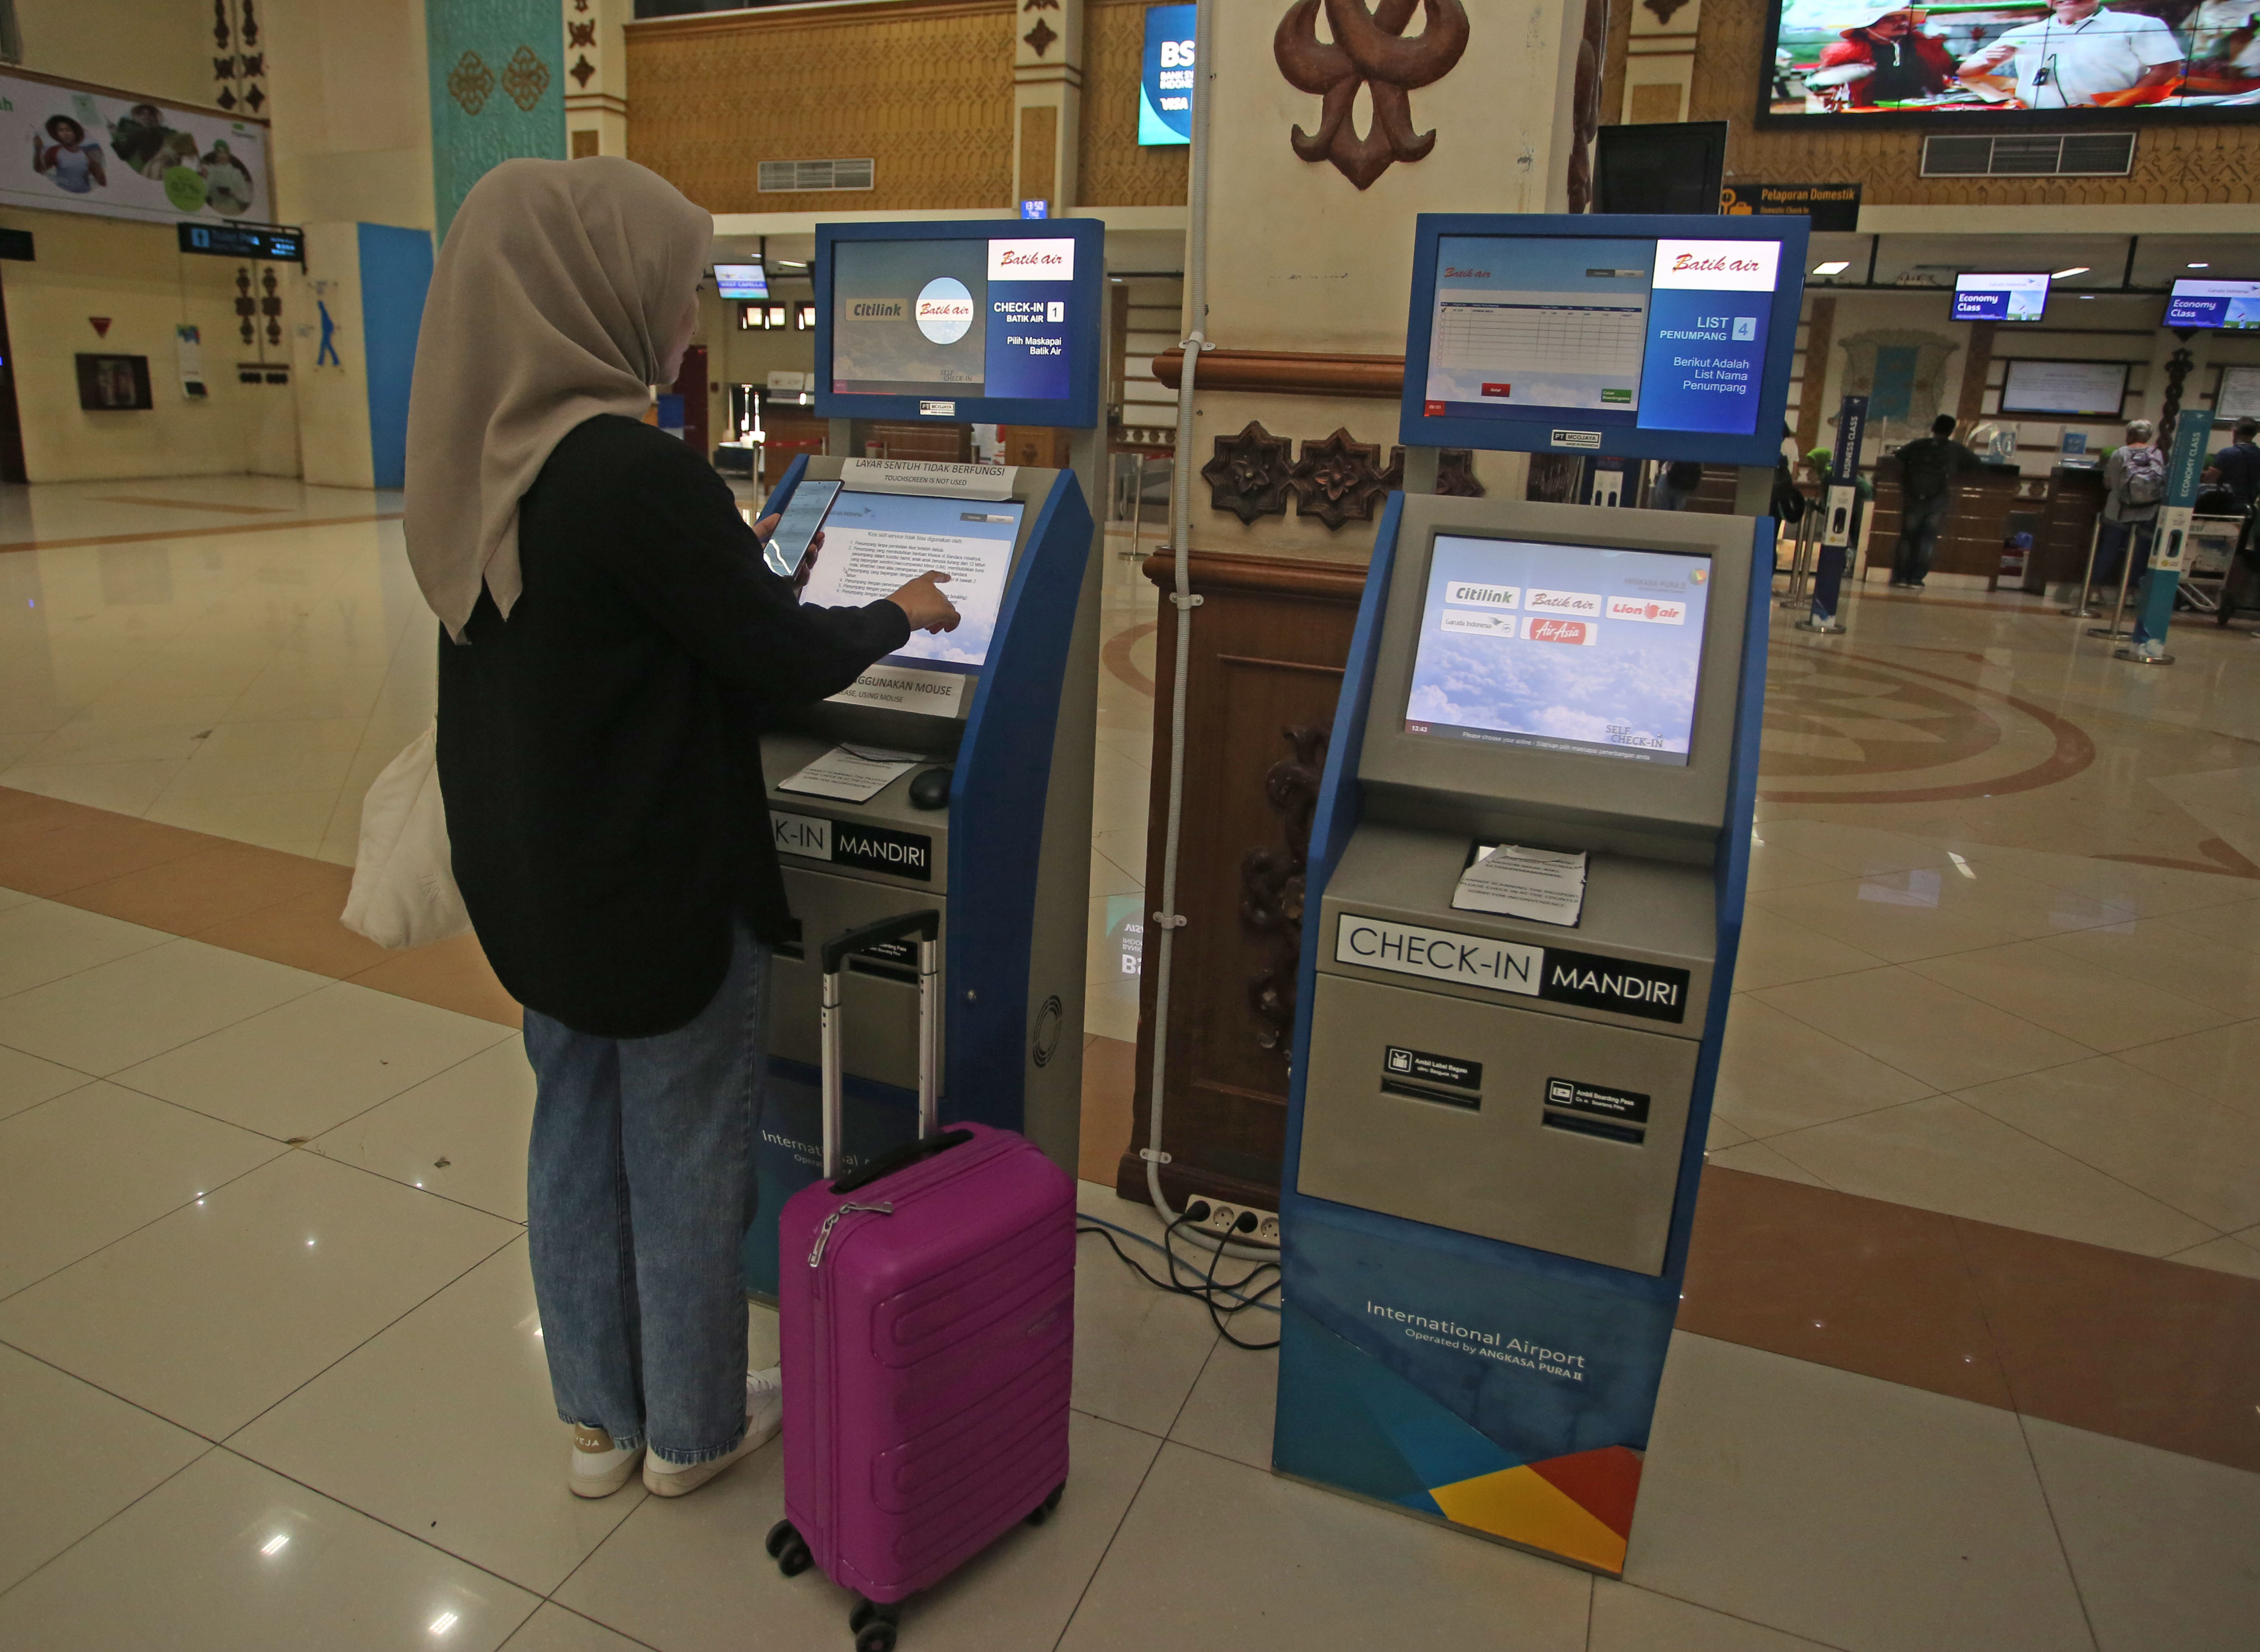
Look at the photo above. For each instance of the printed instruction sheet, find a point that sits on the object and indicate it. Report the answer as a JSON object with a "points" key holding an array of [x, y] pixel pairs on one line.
{"points": [[1545, 885], [851, 774]]}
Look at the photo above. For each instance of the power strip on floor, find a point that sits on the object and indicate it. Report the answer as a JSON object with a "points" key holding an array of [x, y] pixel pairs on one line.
{"points": [[1243, 1224]]}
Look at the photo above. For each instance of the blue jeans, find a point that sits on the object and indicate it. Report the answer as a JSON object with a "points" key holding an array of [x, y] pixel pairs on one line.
{"points": [[1919, 523], [639, 1188]]}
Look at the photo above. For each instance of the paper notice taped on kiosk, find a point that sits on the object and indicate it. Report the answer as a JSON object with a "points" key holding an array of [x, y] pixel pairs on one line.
{"points": [[934, 479], [900, 688], [850, 775], [1545, 885]]}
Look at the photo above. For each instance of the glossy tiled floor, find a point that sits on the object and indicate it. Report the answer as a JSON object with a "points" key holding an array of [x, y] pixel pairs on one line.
{"points": [[1966, 1359]]}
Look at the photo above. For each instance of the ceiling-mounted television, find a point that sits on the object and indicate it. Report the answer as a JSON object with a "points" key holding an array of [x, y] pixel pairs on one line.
{"points": [[1975, 66], [2232, 304], [2000, 297]]}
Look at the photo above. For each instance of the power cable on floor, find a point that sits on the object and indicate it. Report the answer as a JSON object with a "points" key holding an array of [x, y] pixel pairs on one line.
{"points": [[1208, 1288]]}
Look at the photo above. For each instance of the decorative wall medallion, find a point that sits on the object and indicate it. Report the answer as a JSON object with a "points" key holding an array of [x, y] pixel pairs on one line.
{"points": [[1251, 473], [1456, 472], [578, 34], [1585, 105], [1369, 50], [471, 83], [1338, 480], [526, 79], [1663, 9], [583, 71], [1271, 884], [1040, 37], [1042, 5]]}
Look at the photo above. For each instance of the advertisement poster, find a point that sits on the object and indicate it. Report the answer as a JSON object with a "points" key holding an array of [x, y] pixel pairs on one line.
{"points": [[1832, 59], [71, 150], [1165, 101]]}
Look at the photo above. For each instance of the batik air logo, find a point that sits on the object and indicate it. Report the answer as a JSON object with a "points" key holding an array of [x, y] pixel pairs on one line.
{"points": [[1717, 266]]}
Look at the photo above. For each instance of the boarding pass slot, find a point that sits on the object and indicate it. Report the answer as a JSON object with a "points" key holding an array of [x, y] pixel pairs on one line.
{"points": [[1577, 1123]]}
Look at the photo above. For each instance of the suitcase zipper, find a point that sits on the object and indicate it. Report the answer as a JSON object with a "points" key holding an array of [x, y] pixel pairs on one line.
{"points": [[824, 1234]]}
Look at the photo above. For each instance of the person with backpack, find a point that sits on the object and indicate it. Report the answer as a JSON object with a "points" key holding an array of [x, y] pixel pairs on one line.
{"points": [[1930, 466], [2133, 487]]}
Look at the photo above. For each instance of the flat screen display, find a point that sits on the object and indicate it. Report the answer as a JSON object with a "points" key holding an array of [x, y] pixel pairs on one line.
{"points": [[875, 543], [2232, 304], [742, 281], [2094, 388], [2000, 297], [1660, 335], [944, 319], [2118, 62], [1569, 648]]}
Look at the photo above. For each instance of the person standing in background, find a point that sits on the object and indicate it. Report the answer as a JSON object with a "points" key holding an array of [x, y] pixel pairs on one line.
{"points": [[2134, 486], [2237, 466], [1676, 485], [1928, 468]]}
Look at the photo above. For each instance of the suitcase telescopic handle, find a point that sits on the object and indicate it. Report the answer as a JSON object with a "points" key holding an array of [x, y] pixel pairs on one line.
{"points": [[924, 925]]}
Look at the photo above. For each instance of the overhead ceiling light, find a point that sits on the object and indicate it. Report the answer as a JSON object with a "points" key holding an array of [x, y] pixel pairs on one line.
{"points": [[2087, 297], [2200, 266], [1834, 266], [2077, 269]]}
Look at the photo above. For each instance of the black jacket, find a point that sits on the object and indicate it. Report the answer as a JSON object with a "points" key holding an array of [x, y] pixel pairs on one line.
{"points": [[599, 753], [1932, 462]]}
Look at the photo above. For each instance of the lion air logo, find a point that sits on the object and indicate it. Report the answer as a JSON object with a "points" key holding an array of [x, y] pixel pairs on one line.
{"points": [[1369, 49], [1649, 610]]}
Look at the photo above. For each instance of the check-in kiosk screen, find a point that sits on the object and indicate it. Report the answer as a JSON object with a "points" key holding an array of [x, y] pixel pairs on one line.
{"points": [[1663, 335], [875, 543], [1560, 648], [952, 318]]}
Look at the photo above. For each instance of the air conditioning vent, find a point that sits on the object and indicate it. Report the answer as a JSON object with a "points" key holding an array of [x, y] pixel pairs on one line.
{"points": [[2087, 155], [793, 178]]}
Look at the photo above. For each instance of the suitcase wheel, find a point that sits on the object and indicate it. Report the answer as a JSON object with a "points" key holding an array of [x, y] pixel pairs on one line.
{"points": [[1042, 1512], [786, 1549], [874, 1625]]}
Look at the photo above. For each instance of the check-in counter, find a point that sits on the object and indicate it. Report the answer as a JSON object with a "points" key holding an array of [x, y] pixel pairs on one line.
{"points": [[2075, 500], [1976, 523]]}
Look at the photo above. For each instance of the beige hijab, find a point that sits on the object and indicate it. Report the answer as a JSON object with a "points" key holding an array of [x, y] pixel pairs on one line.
{"points": [[552, 302]]}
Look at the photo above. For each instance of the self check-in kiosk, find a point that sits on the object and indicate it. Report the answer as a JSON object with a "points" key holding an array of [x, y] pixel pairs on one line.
{"points": [[988, 730], [1525, 895]]}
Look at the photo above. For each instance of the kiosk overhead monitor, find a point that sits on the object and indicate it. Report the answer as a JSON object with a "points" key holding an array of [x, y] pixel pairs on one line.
{"points": [[875, 543], [1635, 336], [975, 322], [1560, 648], [2000, 297], [2234, 304], [741, 280]]}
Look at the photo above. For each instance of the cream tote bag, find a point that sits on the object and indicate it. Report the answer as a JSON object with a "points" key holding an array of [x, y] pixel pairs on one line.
{"points": [[404, 887]]}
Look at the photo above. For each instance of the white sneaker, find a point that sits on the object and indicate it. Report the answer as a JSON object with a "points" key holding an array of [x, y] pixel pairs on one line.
{"points": [[2150, 651], [764, 1417], [599, 1467]]}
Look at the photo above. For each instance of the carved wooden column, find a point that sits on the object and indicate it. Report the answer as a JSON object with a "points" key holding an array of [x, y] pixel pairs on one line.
{"points": [[1269, 642]]}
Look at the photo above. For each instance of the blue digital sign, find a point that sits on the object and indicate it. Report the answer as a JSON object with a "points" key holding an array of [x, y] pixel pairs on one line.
{"points": [[1632, 336], [2234, 304], [1982, 298], [1165, 101]]}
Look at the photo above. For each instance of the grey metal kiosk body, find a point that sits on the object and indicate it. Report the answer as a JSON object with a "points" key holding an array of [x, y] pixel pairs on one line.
{"points": [[1496, 1123], [1004, 856]]}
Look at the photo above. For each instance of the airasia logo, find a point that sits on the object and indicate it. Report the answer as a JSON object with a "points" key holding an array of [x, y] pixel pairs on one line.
{"points": [[1578, 633], [1649, 610]]}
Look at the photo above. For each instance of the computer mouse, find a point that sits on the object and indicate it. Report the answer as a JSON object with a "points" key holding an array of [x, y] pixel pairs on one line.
{"points": [[930, 789]]}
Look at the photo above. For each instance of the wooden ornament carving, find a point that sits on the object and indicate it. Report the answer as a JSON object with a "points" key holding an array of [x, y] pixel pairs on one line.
{"points": [[1250, 475], [1040, 38], [1369, 50], [1455, 472], [1271, 884], [1338, 480], [1663, 9], [1585, 106]]}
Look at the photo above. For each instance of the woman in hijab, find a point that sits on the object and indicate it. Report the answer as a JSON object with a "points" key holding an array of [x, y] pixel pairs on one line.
{"points": [[613, 647]]}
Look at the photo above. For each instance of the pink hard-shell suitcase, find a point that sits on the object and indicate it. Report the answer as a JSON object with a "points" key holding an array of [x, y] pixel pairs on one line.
{"points": [[925, 1308]]}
